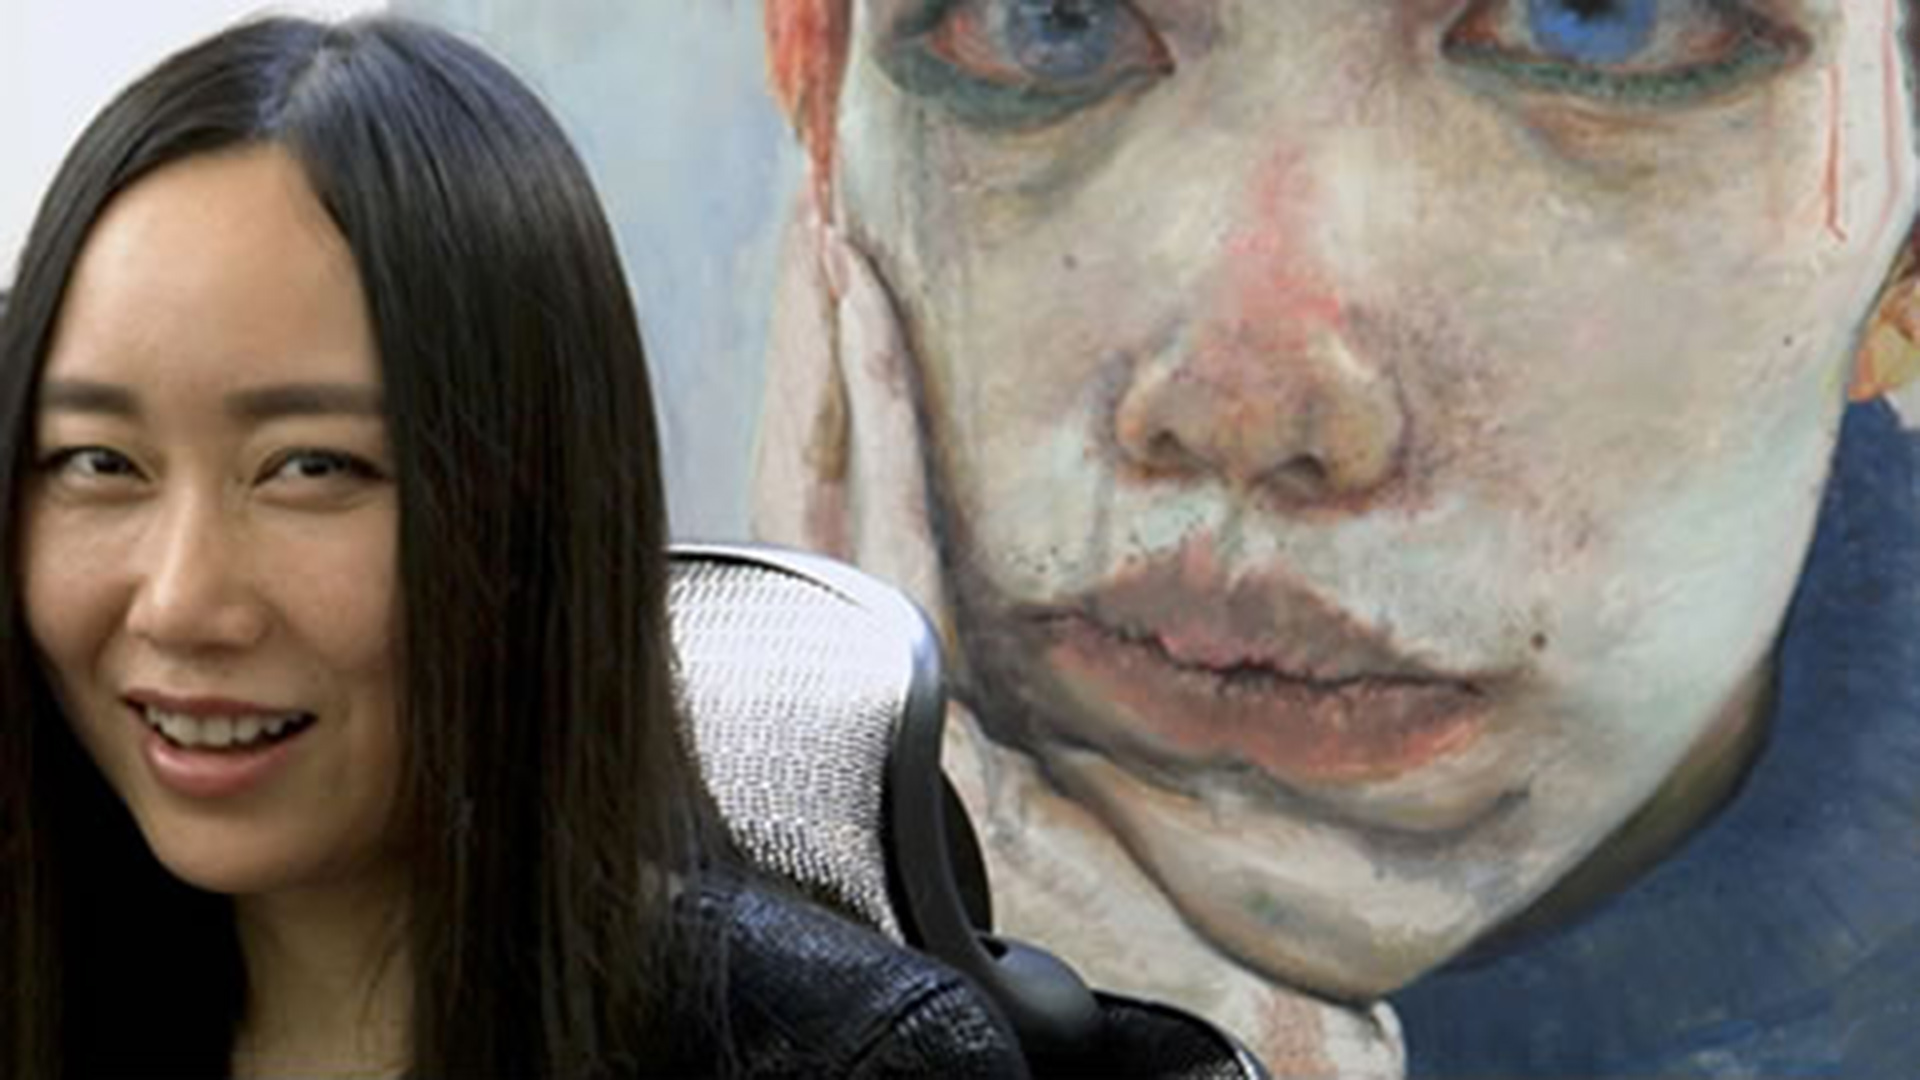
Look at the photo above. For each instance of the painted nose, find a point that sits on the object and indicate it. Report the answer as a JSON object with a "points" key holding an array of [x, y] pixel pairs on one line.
{"points": [[194, 594], [1306, 419]]}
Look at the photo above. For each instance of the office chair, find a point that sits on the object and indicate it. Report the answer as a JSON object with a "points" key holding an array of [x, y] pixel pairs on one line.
{"points": [[815, 704]]}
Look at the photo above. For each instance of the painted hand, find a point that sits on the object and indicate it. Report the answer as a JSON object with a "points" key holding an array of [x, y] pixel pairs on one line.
{"points": [[839, 465]]}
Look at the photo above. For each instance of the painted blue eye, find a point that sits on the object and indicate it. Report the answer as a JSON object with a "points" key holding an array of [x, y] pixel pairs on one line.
{"points": [[1593, 31], [1021, 65], [1062, 40], [1630, 53]]}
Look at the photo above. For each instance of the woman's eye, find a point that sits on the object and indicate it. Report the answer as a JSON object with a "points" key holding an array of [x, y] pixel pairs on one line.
{"points": [[1025, 63], [91, 465], [1629, 52], [320, 465]]}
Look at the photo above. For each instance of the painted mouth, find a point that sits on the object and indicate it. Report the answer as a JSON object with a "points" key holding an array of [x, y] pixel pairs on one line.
{"points": [[1206, 666], [1299, 728]]}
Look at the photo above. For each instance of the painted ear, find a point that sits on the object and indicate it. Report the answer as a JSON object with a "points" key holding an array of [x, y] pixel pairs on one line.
{"points": [[839, 461], [1890, 349]]}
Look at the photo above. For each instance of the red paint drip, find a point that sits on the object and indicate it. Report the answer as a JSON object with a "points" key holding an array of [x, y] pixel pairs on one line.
{"points": [[1830, 183]]}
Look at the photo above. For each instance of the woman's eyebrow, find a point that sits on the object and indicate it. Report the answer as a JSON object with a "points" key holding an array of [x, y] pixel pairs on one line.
{"points": [[263, 403], [305, 399], [83, 396]]}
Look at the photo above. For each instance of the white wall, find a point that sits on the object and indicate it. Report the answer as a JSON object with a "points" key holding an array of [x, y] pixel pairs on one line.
{"points": [[60, 60]]}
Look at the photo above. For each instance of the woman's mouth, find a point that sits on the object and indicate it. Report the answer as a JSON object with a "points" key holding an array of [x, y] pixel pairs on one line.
{"points": [[224, 733], [206, 750]]}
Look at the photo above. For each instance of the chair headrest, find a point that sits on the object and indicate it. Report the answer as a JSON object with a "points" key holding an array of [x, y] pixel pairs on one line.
{"points": [[797, 676], [815, 709]]}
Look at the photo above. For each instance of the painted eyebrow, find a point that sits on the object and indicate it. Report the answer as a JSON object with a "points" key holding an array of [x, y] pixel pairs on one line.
{"points": [[265, 403]]}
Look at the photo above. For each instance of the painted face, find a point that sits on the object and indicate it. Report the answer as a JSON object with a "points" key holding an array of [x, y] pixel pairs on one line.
{"points": [[1373, 444], [210, 528]]}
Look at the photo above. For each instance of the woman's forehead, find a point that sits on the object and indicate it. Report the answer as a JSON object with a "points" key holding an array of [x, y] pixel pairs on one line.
{"points": [[224, 256]]}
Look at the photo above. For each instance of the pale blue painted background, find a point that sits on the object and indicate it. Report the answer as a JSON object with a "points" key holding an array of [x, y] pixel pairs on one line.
{"points": [[667, 102]]}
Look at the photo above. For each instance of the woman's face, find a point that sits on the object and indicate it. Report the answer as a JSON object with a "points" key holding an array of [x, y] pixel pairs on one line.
{"points": [[211, 524], [1375, 441]]}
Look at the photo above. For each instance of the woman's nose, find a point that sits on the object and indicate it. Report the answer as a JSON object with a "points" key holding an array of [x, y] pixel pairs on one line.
{"points": [[195, 591]]}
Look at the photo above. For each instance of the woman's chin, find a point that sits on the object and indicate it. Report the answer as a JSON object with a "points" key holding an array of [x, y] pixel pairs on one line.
{"points": [[214, 861]]}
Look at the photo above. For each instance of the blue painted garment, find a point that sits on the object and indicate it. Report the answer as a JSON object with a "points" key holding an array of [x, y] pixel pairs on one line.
{"points": [[1783, 939]]}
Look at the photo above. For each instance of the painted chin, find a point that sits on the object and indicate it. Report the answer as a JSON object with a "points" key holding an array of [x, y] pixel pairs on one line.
{"points": [[1330, 905]]}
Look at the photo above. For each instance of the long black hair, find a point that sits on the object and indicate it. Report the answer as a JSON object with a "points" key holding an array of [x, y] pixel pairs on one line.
{"points": [[548, 806]]}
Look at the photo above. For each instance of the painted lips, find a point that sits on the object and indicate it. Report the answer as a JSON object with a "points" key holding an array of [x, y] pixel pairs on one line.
{"points": [[1261, 673], [1299, 730]]}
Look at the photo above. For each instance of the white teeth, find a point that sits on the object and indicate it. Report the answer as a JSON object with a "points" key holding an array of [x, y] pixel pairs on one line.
{"points": [[220, 732]]}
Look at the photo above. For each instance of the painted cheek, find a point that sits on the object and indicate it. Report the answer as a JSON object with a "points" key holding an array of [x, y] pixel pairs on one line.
{"points": [[1849, 143], [1896, 100], [1896, 108]]}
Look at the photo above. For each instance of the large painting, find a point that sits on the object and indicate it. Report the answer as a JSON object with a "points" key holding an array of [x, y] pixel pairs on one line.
{"points": [[1428, 565]]}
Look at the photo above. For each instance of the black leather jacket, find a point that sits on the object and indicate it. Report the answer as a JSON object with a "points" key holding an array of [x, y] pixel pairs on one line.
{"points": [[812, 995]]}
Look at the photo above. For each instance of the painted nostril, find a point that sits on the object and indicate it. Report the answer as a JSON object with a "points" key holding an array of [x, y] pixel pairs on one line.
{"points": [[1300, 478], [1165, 451]]}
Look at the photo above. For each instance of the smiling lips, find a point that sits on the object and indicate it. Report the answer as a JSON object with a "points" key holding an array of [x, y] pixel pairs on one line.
{"points": [[209, 749], [1263, 675]]}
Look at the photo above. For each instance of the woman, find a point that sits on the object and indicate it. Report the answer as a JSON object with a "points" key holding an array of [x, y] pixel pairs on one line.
{"points": [[339, 736]]}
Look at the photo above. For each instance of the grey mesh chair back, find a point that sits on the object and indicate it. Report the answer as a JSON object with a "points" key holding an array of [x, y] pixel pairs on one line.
{"points": [[815, 709], [799, 676]]}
